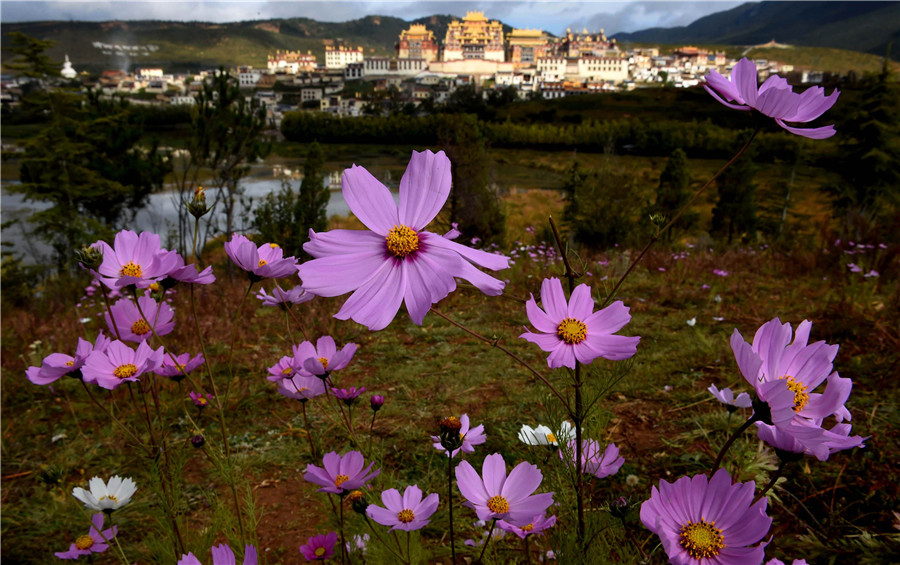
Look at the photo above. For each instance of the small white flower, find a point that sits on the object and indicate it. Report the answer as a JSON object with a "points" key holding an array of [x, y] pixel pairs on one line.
{"points": [[105, 497], [542, 435], [692, 321]]}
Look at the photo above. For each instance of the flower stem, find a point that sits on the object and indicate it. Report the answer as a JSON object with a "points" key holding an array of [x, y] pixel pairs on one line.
{"points": [[312, 447], [527, 550], [116, 420], [519, 360], [450, 507], [343, 543], [487, 541], [677, 215], [734, 436], [380, 539], [772, 481]]}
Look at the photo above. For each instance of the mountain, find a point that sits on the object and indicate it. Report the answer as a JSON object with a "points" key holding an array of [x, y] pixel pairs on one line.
{"points": [[858, 26], [184, 46]]}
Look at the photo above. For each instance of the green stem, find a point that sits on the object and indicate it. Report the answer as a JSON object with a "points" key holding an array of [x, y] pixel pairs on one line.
{"points": [[487, 541], [312, 447], [731, 440], [450, 505], [381, 540]]}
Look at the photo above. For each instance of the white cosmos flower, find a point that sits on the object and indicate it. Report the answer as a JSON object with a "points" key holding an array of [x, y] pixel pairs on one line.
{"points": [[542, 435], [105, 497]]}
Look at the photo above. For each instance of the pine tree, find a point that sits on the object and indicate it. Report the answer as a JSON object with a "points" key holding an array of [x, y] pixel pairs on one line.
{"points": [[672, 193]]}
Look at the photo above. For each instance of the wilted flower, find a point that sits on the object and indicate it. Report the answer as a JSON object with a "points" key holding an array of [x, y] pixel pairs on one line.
{"points": [[264, 262], [408, 512], [105, 497], [222, 555], [468, 437], [496, 495], [340, 473], [573, 331], [397, 261], [95, 541], [281, 297], [319, 548], [775, 98], [701, 522]]}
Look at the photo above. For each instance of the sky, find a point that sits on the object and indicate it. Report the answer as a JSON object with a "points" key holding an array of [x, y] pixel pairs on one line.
{"points": [[552, 16]]}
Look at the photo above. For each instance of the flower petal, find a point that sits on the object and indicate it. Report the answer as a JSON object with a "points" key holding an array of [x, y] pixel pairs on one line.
{"points": [[375, 303], [369, 200], [424, 188]]}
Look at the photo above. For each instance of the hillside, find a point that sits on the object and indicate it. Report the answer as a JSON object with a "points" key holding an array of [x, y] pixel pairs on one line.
{"points": [[182, 46], [858, 26]]}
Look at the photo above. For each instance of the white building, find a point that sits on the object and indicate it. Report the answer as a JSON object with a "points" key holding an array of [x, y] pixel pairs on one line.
{"points": [[248, 77], [340, 57], [611, 69]]}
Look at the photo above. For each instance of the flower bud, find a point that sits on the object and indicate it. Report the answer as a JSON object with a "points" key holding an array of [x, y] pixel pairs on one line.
{"points": [[450, 437], [197, 206], [376, 402], [198, 441], [90, 257], [358, 501], [619, 507]]}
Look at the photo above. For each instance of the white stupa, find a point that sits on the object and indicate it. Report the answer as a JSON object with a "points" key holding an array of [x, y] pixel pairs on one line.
{"points": [[67, 70]]}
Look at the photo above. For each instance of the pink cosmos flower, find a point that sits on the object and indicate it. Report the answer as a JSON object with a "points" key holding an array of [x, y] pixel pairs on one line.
{"points": [[537, 526], [348, 395], [132, 326], [341, 473], [301, 387], [56, 365], [222, 555], [188, 273], [808, 437], [324, 358], [573, 331], [284, 369], [95, 541], [704, 522], [408, 512], [182, 365], [775, 98], [135, 259], [281, 297], [119, 363], [199, 400], [470, 437], [786, 373], [319, 548], [397, 261], [494, 495], [593, 461], [264, 262], [726, 396]]}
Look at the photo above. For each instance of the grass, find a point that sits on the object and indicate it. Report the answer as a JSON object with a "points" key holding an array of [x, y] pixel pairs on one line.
{"points": [[660, 415]]}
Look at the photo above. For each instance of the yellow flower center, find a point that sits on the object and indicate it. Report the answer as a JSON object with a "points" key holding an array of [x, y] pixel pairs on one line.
{"points": [[406, 516], [571, 331], [273, 245], [202, 401], [263, 263], [401, 241], [340, 479], [140, 327], [69, 363], [324, 362], [701, 539], [286, 371], [84, 542], [528, 528], [130, 269], [498, 505], [551, 438], [354, 496], [125, 371], [801, 398], [154, 287], [320, 551], [110, 497]]}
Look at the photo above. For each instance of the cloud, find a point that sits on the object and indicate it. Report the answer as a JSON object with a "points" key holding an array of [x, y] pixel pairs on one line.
{"points": [[633, 16]]}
